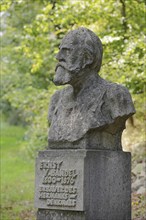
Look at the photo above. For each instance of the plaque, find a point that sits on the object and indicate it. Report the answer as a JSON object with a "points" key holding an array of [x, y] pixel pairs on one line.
{"points": [[59, 181]]}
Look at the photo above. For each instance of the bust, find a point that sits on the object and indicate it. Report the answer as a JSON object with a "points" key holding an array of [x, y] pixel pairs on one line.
{"points": [[90, 112]]}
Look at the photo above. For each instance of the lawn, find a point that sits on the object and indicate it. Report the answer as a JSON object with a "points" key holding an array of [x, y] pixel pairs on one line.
{"points": [[17, 175]]}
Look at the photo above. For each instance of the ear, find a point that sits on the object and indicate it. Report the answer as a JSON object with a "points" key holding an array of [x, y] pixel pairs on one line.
{"points": [[87, 59]]}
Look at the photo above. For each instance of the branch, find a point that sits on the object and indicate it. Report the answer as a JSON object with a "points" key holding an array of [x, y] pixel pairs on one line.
{"points": [[123, 12]]}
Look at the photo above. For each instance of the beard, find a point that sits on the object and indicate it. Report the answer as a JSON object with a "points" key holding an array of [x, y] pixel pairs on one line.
{"points": [[65, 74], [62, 75]]}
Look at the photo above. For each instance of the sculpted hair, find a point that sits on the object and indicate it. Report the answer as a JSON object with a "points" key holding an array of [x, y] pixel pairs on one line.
{"points": [[94, 44], [87, 40]]}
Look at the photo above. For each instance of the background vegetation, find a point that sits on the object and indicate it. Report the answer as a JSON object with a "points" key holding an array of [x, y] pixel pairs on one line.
{"points": [[30, 35], [17, 172]]}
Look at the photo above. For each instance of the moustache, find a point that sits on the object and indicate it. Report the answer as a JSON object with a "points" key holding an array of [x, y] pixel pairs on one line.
{"points": [[70, 69], [61, 64]]}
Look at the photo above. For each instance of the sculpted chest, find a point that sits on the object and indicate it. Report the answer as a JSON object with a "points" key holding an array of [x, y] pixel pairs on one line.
{"points": [[97, 117], [71, 119]]}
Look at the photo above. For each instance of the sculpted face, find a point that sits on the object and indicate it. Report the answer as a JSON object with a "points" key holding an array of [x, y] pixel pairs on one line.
{"points": [[70, 61], [80, 49]]}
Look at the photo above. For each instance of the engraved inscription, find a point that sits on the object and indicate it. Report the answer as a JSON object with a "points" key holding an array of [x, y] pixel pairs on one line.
{"points": [[58, 186]]}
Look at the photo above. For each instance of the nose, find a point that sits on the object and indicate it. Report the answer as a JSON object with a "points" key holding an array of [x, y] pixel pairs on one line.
{"points": [[58, 55]]}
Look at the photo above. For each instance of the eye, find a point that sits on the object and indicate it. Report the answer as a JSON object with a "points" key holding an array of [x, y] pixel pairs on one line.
{"points": [[63, 51], [66, 49]]}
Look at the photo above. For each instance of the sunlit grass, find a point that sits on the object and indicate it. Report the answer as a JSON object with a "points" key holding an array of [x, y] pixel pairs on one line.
{"points": [[17, 175]]}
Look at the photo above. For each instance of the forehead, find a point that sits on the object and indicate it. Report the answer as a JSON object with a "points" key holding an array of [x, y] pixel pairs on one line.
{"points": [[69, 41]]}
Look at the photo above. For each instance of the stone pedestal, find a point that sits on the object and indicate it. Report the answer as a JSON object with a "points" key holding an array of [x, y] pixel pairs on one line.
{"points": [[83, 185]]}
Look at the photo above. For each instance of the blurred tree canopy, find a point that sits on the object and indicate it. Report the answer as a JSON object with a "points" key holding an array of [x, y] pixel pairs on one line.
{"points": [[31, 32]]}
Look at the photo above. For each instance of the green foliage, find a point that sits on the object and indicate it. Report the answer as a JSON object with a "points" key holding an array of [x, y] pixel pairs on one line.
{"points": [[17, 175], [31, 33]]}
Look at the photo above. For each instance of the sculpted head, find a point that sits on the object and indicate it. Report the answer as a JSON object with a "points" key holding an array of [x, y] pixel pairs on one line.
{"points": [[79, 50]]}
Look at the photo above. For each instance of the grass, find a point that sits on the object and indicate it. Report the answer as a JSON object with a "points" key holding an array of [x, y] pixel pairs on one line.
{"points": [[17, 176]]}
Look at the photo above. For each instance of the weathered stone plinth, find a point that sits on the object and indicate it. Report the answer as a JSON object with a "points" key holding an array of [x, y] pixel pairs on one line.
{"points": [[83, 185]]}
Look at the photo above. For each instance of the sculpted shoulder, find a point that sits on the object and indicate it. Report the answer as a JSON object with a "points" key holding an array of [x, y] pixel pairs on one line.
{"points": [[119, 101]]}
